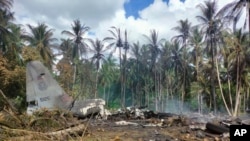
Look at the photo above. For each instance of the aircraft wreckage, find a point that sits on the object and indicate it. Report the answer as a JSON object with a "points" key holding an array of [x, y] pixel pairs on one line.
{"points": [[42, 91]]}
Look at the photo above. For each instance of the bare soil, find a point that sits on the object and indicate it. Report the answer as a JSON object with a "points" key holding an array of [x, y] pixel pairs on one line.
{"points": [[108, 131]]}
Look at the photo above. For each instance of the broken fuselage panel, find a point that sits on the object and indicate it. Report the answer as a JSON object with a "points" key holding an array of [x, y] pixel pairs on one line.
{"points": [[44, 92]]}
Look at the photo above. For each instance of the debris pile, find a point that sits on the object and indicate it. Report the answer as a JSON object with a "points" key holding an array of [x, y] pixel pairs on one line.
{"points": [[43, 124]]}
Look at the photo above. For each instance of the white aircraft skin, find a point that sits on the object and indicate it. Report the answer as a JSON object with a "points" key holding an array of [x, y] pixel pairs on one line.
{"points": [[42, 91]]}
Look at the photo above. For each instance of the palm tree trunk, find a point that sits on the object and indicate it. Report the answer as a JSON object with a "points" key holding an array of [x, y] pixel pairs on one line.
{"points": [[230, 93], [109, 87], [237, 89], [121, 79], [156, 91], [74, 76], [96, 80], [197, 78], [124, 77], [212, 78], [184, 77], [104, 93], [222, 94]]}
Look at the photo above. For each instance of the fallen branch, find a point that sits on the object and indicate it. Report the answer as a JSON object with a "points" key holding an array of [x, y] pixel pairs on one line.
{"points": [[218, 129], [7, 101], [26, 134]]}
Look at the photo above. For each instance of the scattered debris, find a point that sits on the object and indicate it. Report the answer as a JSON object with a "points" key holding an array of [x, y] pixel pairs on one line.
{"points": [[54, 115], [125, 123], [217, 129]]}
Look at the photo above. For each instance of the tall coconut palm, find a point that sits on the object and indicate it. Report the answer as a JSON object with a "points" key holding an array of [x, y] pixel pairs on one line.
{"points": [[126, 47], [153, 45], [117, 42], [195, 41], [238, 45], [212, 22], [184, 32], [176, 64], [98, 48], [77, 33], [79, 48], [41, 37]]}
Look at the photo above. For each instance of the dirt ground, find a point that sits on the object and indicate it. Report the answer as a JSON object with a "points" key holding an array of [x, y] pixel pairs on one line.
{"points": [[108, 131]]}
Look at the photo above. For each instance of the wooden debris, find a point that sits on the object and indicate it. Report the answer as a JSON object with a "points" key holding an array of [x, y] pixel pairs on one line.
{"points": [[218, 129], [26, 134]]}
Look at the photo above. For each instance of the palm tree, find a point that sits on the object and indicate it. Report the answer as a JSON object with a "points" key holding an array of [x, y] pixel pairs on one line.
{"points": [[6, 4], [15, 43], [184, 32], [235, 9], [5, 17], [117, 42], [238, 45], [108, 74], [66, 47], [195, 40], [79, 48], [175, 62], [212, 22], [41, 37], [154, 46], [98, 49], [77, 33], [126, 47]]}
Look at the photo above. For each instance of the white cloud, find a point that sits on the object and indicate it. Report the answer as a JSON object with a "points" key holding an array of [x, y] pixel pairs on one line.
{"points": [[100, 15]]}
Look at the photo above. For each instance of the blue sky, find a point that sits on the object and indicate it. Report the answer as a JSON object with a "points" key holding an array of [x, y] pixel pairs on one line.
{"points": [[133, 7]]}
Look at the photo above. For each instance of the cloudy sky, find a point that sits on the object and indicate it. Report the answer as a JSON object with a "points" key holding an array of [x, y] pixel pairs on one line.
{"points": [[137, 16]]}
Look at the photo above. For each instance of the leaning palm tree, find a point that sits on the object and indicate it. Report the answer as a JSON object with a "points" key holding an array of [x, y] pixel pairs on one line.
{"points": [[235, 9], [41, 37], [238, 61], [212, 21], [98, 48]]}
